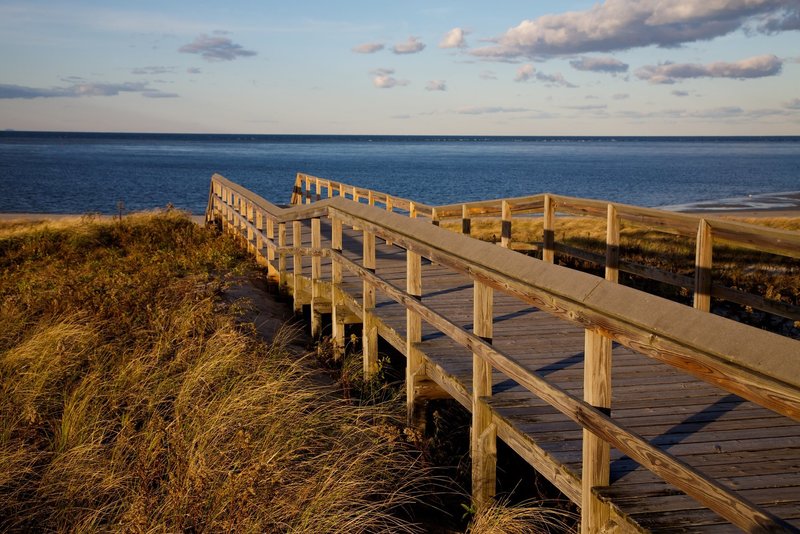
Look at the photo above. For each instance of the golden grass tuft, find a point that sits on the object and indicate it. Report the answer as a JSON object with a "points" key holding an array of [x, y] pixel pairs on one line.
{"points": [[523, 518]]}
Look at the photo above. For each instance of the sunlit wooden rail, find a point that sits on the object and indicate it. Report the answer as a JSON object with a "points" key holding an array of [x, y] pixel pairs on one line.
{"points": [[702, 433], [704, 231]]}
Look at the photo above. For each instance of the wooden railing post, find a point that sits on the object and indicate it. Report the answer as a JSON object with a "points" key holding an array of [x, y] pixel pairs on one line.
{"points": [[356, 199], [389, 208], [415, 364], [261, 258], [702, 266], [434, 217], [466, 222], [369, 328], [240, 226], [596, 452], [341, 190], [612, 244], [271, 239], [483, 445], [297, 190], [318, 188], [282, 272], [505, 224], [549, 236], [251, 235], [224, 209], [371, 197], [316, 278], [330, 189], [308, 190], [297, 265], [337, 305]]}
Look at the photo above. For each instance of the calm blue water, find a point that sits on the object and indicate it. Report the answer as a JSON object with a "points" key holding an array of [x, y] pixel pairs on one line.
{"points": [[77, 173]]}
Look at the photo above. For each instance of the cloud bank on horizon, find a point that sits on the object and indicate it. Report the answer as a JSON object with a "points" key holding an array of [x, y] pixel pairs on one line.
{"points": [[615, 66]]}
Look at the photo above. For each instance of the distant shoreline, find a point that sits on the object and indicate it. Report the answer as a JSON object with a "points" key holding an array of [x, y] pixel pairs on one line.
{"points": [[793, 212]]}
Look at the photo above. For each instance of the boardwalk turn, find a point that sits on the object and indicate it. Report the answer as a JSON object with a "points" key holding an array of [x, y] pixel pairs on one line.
{"points": [[733, 455]]}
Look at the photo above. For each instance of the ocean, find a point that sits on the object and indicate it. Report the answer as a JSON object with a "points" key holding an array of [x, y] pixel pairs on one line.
{"points": [[45, 172]]}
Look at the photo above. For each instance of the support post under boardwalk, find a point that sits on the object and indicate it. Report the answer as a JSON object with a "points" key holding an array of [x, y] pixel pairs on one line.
{"points": [[297, 265], [337, 306], [415, 365], [612, 245], [316, 278], [596, 452], [483, 445], [369, 335], [549, 231], [282, 274], [702, 267]]}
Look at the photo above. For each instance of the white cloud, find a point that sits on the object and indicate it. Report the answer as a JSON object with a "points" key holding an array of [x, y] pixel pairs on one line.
{"points": [[8, 91], [384, 79], [792, 104], [754, 67], [194, 70], [528, 72], [680, 93], [624, 24], [485, 110], [436, 85], [524, 73], [487, 75], [556, 79], [454, 39], [368, 48], [599, 64], [620, 96], [216, 48], [411, 46], [153, 70]]}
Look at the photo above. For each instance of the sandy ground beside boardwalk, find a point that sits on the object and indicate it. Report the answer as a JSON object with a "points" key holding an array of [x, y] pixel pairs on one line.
{"points": [[33, 217]]}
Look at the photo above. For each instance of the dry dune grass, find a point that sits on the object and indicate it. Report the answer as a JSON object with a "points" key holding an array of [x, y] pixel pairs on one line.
{"points": [[130, 399]]}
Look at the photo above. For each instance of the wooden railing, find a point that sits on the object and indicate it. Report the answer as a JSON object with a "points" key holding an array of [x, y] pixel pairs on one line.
{"points": [[704, 231], [733, 358]]}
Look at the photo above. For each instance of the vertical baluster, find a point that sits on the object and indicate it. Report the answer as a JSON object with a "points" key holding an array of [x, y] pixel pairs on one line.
{"points": [[337, 305], [282, 272], [548, 238], [297, 240], [369, 328], [415, 364], [484, 434], [596, 452], [505, 224], [702, 266], [316, 278], [466, 222], [612, 244]]}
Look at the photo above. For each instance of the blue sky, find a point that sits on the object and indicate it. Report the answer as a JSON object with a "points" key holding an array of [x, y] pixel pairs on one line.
{"points": [[618, 67]]}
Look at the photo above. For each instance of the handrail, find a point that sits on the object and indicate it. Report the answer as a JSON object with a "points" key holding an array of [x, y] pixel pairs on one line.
{"points": [[733, 358], [706, 231], [308, 188]]}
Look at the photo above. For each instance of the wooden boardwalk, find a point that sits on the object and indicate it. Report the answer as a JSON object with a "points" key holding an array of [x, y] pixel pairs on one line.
{"points": [[746, 449]]}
